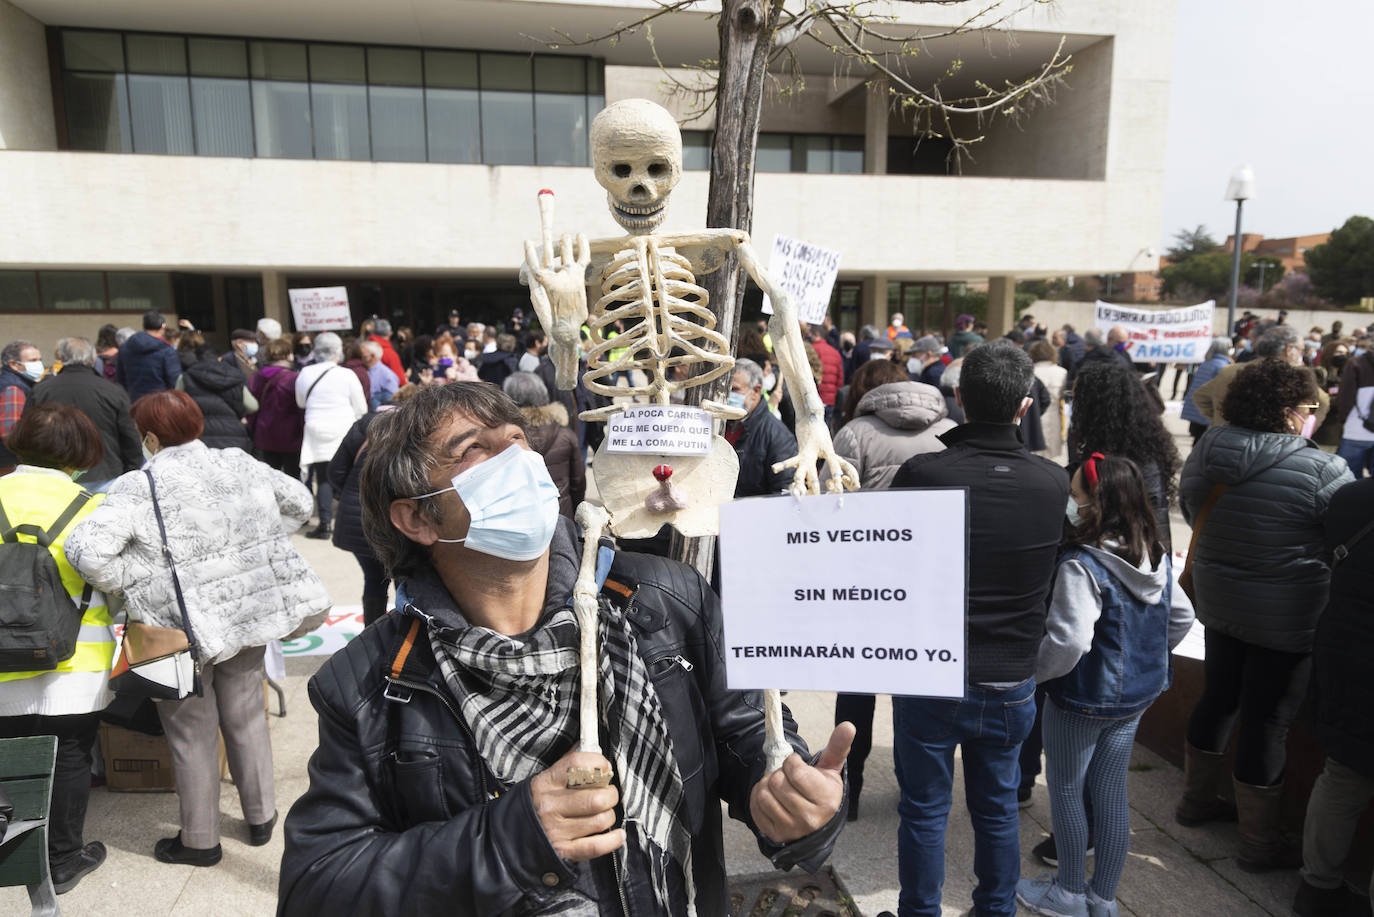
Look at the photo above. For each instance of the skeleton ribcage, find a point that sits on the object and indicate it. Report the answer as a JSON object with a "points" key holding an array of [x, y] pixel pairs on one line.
{"points": [[667, 323]]}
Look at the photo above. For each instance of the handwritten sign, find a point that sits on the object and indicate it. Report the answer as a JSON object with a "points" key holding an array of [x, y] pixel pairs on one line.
{"points": [[321, 309], [863, 593], [1162, 335], [805, 271], [660, 430]]}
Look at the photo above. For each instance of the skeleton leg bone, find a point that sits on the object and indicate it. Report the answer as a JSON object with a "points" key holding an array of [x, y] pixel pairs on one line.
{"points": [[593, 520]]}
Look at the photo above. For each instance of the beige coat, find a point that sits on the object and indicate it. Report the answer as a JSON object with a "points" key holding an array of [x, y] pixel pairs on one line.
{"points": [[1052, 377]]}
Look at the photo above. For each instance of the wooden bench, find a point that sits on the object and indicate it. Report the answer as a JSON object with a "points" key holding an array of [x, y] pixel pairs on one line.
{"points": [[26, 768]]}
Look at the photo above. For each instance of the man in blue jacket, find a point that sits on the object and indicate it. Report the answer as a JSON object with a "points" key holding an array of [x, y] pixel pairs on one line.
{"points": [[147, 363]]}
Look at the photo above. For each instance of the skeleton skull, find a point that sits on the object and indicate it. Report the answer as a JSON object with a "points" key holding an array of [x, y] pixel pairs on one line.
{"points": [[637, 158]]}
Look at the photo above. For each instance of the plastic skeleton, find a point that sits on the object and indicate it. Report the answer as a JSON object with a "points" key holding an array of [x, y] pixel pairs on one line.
{"points": [[649, 280]]}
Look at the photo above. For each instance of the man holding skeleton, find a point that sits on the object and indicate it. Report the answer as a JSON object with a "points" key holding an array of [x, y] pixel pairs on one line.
{"points": [[448, 778]]}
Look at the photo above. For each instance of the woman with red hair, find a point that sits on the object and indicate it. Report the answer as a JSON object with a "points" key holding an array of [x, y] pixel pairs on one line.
{"points": [[227, 517]]}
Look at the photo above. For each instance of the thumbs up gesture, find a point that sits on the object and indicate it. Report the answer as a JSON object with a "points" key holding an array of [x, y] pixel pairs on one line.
{"points": [[800, 798]]}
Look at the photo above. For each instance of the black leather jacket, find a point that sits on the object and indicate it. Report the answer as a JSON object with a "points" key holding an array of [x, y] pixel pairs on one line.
{"points": [[402, 817]]}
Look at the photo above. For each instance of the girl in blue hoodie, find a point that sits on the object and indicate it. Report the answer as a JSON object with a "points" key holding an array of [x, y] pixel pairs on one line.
{"points": [[1115, 615]]}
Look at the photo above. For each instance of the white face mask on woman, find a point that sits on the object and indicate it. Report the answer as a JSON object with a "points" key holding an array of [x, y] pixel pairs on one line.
{"points": [[513, 504]]}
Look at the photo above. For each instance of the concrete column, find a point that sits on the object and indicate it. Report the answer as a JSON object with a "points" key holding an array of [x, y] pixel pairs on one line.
{"points": [[275, 303], [26, 112], [875, 128], [1001, 305], [873, 305]]}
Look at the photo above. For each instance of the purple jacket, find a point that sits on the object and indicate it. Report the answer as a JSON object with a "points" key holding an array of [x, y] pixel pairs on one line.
{"points": [[279, 424]]}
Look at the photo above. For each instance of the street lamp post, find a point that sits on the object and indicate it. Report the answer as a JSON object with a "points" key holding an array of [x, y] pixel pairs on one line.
{"points": [[1240, 190]]}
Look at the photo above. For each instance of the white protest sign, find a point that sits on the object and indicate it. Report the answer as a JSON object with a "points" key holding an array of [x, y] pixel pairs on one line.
{"points": [[321, 309], [660, 429], [1162, 335], [863, 593], [806, 271]]}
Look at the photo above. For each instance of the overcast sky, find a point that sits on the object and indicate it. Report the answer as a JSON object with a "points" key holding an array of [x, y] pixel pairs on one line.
{"points": [[1286, 87]]}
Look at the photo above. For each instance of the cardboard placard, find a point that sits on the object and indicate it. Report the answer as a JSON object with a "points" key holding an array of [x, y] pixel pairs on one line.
{"points": [[864, 593], [807, 272], [660, 429], [1162, 335], [321, 309]]}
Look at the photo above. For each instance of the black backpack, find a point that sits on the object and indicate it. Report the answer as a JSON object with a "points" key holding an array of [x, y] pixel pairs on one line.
{"points": [[38, 622]]}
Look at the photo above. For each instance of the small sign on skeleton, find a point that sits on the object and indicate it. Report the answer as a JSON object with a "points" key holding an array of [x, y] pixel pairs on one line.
{"points": [[648, 281]]}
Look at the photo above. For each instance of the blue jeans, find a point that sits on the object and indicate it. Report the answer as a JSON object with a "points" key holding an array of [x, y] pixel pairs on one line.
{"points": [[990, 726], [1359, 455]]}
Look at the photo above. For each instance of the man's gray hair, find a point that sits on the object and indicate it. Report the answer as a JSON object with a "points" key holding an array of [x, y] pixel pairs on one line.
{"points": [[927, 344], [381, 326], [1275, 341], [1220, 348], [526, 389], [1092, 338], [329, 347], [401, 455], [751, 370], [372, 347], [868, 333], [75, 352], [123, 334], [269, 328], [12, 351], [950, 377]]}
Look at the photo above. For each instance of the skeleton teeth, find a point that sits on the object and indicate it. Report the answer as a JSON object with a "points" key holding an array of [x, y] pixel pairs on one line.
{"points": [[639, 211]]}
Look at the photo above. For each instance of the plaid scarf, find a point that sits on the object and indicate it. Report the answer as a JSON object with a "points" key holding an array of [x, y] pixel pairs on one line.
{"points": [[519, 698]]}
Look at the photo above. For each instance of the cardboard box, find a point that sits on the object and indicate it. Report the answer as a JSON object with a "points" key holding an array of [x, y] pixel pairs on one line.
{"points": [[135, 762]]}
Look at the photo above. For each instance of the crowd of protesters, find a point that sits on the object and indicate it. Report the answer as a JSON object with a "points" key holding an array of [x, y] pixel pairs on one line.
{"points": [[1074, 603]]}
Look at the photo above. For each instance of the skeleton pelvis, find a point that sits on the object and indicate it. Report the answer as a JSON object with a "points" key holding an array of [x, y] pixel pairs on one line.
{"points": [[623, 480]]}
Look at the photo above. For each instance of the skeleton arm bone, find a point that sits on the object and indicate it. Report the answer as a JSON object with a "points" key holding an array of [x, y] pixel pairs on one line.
{"points": [[558, 293], [813, 437]]}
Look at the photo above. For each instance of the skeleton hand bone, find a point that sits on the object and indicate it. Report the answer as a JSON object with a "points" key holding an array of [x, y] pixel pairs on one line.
{"points": [[558, 292], [813, 443]]}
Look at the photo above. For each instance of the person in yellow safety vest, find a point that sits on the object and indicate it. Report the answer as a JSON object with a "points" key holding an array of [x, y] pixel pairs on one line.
{"points": [[55, 443], [615, 353]]}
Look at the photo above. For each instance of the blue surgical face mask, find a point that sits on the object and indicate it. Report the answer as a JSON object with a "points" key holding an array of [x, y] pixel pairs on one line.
{"points": [[1072, 514], [737, 400], [513, 504], [33, 370], [250, 349]]}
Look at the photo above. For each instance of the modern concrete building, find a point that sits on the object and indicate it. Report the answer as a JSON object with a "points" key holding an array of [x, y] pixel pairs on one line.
{"points": [[203, 158]]}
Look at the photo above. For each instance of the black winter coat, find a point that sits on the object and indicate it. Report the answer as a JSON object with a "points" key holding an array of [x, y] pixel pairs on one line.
{"points": [[763, 441], [1016, 517], [217, 388], [402, 817], [1261, 570], [345, 468], [496, 366], [1341, 687], [146, 364], [107, 406]]}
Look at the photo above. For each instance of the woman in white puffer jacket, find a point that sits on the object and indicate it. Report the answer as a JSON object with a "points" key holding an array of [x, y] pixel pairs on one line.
{"points": [[227, 518]]}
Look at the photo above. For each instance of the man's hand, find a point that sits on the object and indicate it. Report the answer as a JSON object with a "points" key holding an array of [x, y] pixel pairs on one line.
{"points": [[577, 822], [792, 802]]}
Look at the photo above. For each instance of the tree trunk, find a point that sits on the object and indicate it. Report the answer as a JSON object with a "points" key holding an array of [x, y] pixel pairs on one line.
{"points": [[746, 38]]}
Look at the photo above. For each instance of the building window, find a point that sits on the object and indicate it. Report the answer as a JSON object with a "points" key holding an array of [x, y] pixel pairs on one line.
{"points": [[785, 152], [210, 96], [85, 291]]}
